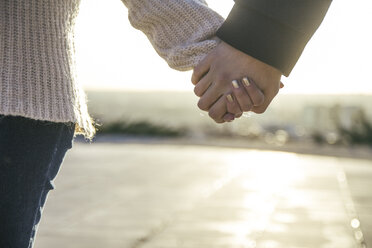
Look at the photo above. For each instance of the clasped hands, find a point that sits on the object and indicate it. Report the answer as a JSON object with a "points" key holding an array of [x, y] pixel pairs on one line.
{"points": [[230, 82]]}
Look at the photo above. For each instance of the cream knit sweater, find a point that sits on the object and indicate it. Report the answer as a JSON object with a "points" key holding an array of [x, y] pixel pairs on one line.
{"points": [[37, 65]]}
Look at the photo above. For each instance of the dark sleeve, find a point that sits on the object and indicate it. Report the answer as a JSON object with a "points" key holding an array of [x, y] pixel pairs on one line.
{"points": [[273, 31]]}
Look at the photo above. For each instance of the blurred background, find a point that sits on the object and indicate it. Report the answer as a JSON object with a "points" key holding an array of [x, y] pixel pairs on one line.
{"points": [[325, 100], [161, 173]]}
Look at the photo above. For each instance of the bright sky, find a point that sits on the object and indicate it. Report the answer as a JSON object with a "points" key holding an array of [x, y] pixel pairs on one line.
{"points": [[112, 55]]}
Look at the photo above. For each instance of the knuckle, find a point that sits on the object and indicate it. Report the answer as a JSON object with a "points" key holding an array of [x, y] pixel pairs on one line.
{"points": [[247, 107], [234, 107], [197, 91], [258, 99], [260, 110], [236, 111], [261, 99], [202, 105], [217, 119], [213, 114], [223, 77]]}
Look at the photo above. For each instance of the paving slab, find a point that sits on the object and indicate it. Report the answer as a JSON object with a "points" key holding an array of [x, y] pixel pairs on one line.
{"points": [[168, 196]]}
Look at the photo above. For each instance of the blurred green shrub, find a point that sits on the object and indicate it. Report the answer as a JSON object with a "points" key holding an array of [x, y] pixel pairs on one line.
{"points": [[139, 128]]}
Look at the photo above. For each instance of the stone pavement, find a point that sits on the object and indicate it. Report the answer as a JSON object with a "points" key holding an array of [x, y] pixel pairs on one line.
{"points": [[168, 196]]}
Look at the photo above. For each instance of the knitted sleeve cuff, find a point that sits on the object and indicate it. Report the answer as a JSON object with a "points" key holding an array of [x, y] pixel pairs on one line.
{"points": [[182, 32]]}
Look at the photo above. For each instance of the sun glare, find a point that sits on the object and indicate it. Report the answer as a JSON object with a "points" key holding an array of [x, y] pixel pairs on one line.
{"points": [[264, 185], [112, 55]]}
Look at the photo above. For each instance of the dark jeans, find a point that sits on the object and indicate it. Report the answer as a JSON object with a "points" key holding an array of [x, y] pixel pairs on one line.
{"points": [[31, 153]]}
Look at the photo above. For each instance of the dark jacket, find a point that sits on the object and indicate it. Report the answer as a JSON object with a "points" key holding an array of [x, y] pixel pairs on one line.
{"points": [[273, 31]]}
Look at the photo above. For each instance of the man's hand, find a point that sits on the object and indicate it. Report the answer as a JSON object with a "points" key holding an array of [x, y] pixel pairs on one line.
{"points": [[223, 75]]}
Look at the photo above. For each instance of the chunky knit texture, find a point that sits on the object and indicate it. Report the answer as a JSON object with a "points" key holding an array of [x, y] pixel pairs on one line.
{"points": [[37, 65]]}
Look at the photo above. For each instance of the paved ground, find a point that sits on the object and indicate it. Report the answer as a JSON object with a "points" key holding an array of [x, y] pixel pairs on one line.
{"points": [[167, 196]]}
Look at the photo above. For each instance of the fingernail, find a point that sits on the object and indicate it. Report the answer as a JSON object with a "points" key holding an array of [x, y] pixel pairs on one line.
{"points": [[229, 98], [246, 81], [235, 84]]}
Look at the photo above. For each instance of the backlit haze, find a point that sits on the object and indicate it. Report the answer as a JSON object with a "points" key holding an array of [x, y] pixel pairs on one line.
{"points": [[111, 55]]}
